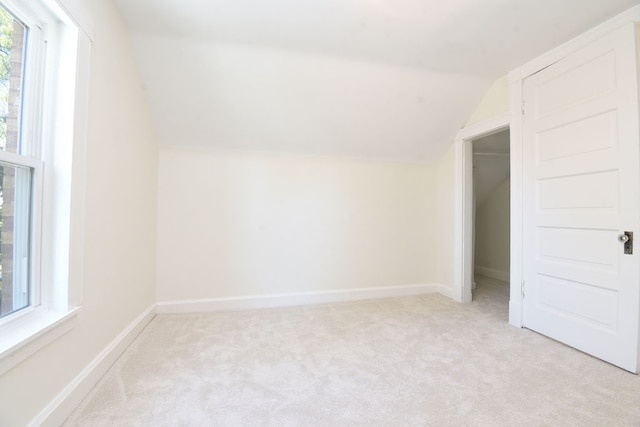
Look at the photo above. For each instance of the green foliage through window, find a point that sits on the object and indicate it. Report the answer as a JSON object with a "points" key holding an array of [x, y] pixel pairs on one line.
{"points": [[6, 43]]}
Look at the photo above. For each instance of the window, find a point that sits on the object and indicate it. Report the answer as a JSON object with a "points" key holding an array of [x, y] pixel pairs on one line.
{"points": [[44, 59], [17, 169]]}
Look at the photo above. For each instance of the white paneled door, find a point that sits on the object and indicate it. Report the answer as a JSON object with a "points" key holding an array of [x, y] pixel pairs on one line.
{"points": [[581, 193]]}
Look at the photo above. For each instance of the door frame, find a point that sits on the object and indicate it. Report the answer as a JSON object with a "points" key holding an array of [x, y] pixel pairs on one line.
{"points": [[463, 179], [463, 185]]}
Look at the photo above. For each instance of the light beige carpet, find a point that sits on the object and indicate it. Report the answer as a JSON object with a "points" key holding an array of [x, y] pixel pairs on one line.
{"points": [[415, 361]]}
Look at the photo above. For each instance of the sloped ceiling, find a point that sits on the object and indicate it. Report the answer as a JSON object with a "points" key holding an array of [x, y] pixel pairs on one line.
{"points": [[367, 78]]}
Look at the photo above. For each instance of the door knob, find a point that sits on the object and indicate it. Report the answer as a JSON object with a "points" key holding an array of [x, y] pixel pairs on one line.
{"points": [[627, 239]]}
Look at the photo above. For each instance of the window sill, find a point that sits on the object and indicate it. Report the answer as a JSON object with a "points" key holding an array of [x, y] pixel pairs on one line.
{"points": [[23, 337]]}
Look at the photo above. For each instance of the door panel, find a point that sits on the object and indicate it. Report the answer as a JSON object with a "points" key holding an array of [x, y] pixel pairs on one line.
{"points": [[581, 190], [592, 134], [589, 80], [579, 246], [568, 299], [560, 192]]}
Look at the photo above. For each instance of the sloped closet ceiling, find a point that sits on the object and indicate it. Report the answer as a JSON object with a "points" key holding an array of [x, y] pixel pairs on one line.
{"points": [[367, 78]]}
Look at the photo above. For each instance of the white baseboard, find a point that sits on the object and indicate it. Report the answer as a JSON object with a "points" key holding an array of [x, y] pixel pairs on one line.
{"points": [[492, 273], [293, 299], [70, 397], [445, 290]]}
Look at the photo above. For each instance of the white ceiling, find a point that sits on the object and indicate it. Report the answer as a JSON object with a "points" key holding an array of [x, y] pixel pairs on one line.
{"points": [[367, 78]]}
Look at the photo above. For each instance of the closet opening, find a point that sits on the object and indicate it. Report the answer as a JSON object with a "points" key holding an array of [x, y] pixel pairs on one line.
{"points": [[491, 217]]}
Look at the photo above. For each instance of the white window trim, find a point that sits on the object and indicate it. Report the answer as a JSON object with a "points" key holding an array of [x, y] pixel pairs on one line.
{"points": [[29, 330], [75, 10]]}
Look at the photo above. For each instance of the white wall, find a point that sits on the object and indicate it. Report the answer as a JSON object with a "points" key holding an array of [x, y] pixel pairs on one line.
{"points": [[445, 219], [493, 103], [488, 173], [239, 224], [492, 232], [120, 225]]}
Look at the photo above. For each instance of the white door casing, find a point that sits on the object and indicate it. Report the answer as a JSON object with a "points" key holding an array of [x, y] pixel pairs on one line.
{"points": [[581, 175]]}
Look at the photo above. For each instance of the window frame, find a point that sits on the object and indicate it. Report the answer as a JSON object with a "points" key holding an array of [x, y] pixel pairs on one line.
{"points": [[31, 138], [63, 29]]}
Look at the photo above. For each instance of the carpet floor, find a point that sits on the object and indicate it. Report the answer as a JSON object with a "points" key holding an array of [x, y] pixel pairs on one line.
{"points": [[411, 361]]}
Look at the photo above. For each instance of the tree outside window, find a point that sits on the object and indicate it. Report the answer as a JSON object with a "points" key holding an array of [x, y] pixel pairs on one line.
{"points": [[12, 44]]}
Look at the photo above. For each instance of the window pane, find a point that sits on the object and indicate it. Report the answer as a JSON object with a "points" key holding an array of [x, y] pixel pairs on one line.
{"points": [[15, 218], [12, 52]]}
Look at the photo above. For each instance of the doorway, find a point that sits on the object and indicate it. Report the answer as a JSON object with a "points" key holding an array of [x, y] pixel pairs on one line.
{"points": [[464, 206], [491, 216]]}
